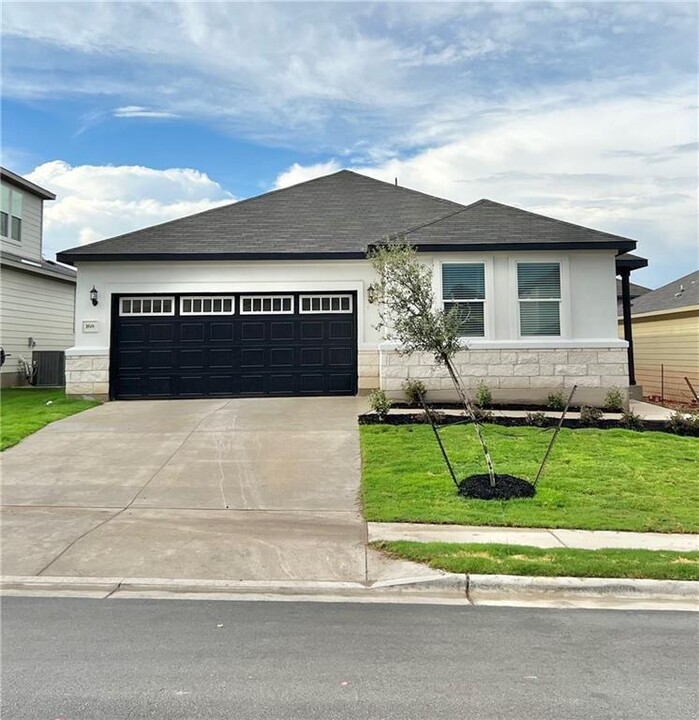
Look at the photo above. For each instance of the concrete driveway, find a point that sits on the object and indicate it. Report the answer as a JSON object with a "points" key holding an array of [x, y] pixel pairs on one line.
{"points": [[250, 489]]}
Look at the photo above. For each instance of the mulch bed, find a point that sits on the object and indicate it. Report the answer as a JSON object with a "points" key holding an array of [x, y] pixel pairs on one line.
{"points": [[506, 487], [418, 418]]}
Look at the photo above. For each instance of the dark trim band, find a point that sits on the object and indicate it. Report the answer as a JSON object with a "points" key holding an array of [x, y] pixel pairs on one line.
{"points": [[72, 258]]}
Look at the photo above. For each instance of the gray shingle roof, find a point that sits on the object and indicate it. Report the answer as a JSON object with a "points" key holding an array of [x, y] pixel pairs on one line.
{"points": [[677, 294], [491, 223], [339, 215]]}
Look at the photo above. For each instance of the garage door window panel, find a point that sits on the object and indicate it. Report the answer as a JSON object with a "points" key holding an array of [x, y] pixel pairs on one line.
{"points": [[266, 305], [146, 306], [207, 305], [323, 304]]}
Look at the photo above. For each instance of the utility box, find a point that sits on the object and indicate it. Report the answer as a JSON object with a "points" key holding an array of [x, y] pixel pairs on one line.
{"points": [[50, 368]]}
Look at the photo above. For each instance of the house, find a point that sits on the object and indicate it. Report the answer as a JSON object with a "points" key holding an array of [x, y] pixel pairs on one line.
{"points": [[37, 296], [666, 339], [271, 295]]}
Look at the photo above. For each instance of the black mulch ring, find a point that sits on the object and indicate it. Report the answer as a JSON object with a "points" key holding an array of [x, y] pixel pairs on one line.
{"points": [[506, 487]]}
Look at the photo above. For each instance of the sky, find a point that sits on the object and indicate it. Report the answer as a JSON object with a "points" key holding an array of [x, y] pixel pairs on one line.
{"points": [[136, 113]]}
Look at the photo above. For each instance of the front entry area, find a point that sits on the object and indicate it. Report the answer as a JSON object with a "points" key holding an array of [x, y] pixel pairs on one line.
{"points": [[197, 346]]}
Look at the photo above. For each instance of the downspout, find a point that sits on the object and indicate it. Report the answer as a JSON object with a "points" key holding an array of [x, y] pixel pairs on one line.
{"points": [[628, 333]]}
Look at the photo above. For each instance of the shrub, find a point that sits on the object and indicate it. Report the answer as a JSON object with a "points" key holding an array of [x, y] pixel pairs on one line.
{"points": [[484, 398], [614, 401], [590, 416], [537, 419], [631, 420], [380, 403], [683, 423], [556, 401], [414, 391]]}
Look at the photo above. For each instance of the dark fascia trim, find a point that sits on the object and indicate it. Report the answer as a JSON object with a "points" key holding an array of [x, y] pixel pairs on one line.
{"points": [[71, 259], [524, 247], [26, 185], [630, 264]]}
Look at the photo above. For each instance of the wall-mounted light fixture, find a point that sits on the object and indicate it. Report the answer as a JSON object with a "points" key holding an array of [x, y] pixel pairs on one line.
{"points": [[94, 295], [372, 293]]}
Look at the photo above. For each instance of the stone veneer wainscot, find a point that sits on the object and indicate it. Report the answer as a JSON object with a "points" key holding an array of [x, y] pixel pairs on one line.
{"points": [[87, 375], [525, 375]]}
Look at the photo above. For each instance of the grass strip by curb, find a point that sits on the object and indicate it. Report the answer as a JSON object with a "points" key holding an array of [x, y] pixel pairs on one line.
{"points": [[23, 411], [492, 558]]}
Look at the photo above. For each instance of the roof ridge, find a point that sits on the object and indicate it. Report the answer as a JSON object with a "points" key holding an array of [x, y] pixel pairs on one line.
{"points": [[401, 187], [439, 219]]}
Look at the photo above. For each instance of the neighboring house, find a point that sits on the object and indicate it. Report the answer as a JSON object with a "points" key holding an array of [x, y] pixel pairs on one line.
{"points": [[634, 292], [666, 339], [272, 295], [37, 296]]}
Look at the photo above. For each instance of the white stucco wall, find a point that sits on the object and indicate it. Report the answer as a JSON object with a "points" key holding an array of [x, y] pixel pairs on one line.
{"points": [[588, 310]]}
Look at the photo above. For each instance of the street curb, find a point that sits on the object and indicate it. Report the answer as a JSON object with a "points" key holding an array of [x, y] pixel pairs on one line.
{"points": [[473, 589], [439, 585], [488, 588]]}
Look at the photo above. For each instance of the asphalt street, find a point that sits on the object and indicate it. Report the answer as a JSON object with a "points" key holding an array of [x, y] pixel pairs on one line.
{"points": [[78, 658]]}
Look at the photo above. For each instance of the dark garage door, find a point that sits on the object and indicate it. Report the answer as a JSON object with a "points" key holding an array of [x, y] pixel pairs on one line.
{"points": [[169, 346]]}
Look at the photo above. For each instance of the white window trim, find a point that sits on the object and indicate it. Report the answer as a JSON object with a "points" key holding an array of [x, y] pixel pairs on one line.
{"points": [[192, 313], [266, 312], [487, 263], [325, 312], [10, 214], [146, 314], [564, 300]]}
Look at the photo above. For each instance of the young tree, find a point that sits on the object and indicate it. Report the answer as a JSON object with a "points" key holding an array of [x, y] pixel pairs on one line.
{"points": [[409, 315]]}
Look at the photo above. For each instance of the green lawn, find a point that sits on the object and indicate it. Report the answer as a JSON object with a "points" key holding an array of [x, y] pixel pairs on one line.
{"points": [[595, 479], [490, 559], [23, 411]]}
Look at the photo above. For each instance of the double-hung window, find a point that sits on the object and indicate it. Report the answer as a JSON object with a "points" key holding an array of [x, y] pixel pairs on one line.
{"points": [[463, 290], [11, 213], [539, 296]]}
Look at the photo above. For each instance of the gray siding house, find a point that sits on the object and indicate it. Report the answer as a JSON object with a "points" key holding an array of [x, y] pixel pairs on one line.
{"points": [[37, 296]]}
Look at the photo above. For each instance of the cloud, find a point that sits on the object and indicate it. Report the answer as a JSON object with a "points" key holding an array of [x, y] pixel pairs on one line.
{"points": [[566, 162], [585, 111], [300, 173], [324, 76], [136, 111], [94, 202]]}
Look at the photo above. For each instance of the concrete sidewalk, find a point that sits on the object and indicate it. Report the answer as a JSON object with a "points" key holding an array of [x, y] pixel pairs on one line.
{"points": [[647, 411], [535, 537]]}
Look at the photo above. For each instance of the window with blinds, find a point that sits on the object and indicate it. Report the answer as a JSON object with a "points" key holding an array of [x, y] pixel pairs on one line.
{"points": [[539, 293], [463, 291]]}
